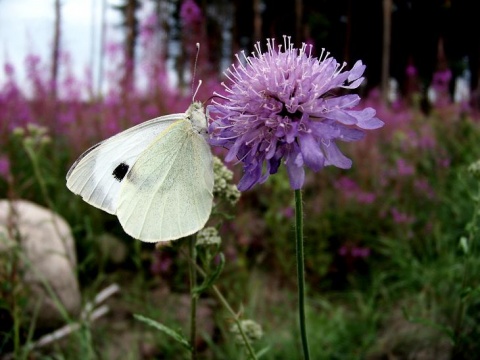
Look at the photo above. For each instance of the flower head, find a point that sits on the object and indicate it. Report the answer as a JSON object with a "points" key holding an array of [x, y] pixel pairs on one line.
{"points": [[252, 330], [223, 188], [208, 236], [281, 106], [474, 169]]}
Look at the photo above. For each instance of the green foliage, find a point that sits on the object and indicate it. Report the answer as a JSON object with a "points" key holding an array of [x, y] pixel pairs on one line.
{"points": [[391, 251], [175, 335]]}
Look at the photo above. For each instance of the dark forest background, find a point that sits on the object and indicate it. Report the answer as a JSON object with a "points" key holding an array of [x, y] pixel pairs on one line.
{"points": [[385, 34]]}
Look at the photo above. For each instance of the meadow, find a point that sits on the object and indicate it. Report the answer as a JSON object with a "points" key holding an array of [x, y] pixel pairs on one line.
{"points": [[391, 255]]}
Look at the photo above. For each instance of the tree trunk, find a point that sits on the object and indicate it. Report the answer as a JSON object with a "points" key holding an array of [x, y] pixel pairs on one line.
{"points": [[298, 22], [257, 21], [103, 32], [131, 28], [387, 28], [55, 52], [348, 33]]}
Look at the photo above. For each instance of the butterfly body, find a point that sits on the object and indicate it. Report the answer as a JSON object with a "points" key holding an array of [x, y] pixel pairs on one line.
{"points": [[157, 177]]}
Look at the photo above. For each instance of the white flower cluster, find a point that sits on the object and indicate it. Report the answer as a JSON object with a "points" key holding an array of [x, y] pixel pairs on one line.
{"points": [[223, 188], [474, 169], [34, 136], [208, 236], [253, 331]]}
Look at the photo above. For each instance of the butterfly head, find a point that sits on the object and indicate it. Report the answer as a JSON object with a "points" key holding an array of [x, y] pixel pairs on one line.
{"points": [[196, 115]]}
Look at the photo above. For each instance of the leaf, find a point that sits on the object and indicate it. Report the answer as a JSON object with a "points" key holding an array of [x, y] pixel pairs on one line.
{"points": [[211, 278], [168, 331], [262, 352], [463, 243]]}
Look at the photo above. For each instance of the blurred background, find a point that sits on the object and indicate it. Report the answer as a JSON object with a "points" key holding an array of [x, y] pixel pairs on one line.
{"points": [[391, 244]]}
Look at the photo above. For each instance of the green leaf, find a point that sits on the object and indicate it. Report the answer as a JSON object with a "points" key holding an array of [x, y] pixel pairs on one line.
{"points": [[170, 332], [262, 352], [211, 278], [463, 243]]}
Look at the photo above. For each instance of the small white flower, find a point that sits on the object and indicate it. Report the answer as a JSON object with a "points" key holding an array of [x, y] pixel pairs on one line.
{"points": [[252, 330], [208, 236]]}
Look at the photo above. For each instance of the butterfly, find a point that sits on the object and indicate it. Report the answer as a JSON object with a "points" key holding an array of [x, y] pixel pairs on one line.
{"points": [[156, 177]]}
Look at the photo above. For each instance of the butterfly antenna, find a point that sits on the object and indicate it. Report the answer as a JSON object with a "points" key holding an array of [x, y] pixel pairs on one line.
{"points": [[198, 87], [195, 73]]}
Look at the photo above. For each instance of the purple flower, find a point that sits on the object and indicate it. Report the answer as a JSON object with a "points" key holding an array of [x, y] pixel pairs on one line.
{"points": [[400, 217], [354, 251], [190, 12], [404, 168], [9, 69], [4, 167], [360, 252], [281, 106]]}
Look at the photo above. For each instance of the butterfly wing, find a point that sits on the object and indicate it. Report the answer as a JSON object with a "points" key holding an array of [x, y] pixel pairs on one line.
{"points": [[168, 192], [98, 173]]}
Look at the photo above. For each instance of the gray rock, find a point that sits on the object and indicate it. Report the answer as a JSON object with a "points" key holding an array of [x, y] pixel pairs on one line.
{"points": [[47, 260]]}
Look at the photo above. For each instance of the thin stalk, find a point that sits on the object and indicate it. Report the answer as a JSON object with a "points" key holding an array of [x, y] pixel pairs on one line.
{"points": [[194, 297], [13, 233], [43, 188], [301, 271], [16, 325], [226, 305], [38, 175]]}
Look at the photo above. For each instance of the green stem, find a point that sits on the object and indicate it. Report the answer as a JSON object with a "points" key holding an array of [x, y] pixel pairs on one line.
{"points": [[464, 301], [301, 271], [38, 174], [194, 297], [43, 188], [226, 305]]}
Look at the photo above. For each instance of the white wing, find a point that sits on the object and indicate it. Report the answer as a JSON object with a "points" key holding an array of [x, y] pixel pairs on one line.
{"points": [[168, 192], [97, 174]]}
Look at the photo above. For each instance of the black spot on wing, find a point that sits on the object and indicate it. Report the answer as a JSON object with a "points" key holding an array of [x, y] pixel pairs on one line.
{"points": [[120, 172]]}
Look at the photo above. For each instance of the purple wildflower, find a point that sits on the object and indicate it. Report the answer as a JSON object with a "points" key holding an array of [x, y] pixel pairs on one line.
{"points": [[288, 212], [9, 69], [360, 252], [439, 90], [280, 105], [401, 217], [351, 190], [161, 263], [190, 12], [354, 251], [404, 168], [4, 167]]}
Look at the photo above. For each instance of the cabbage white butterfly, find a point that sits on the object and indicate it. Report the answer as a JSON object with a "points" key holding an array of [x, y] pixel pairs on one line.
{"points": [[157, 177]]}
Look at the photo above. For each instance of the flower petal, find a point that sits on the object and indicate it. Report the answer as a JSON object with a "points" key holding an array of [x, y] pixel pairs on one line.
{"points": [[250, 177], [341, 116], [335, 157], [370, 124], [323, 130], [232, 153], [354, 84], [357, 71], [349, 134], [311, 152], [296, 175]]}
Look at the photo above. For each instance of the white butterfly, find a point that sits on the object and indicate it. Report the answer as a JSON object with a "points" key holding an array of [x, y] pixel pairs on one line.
{"points": [[157, 177]]}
